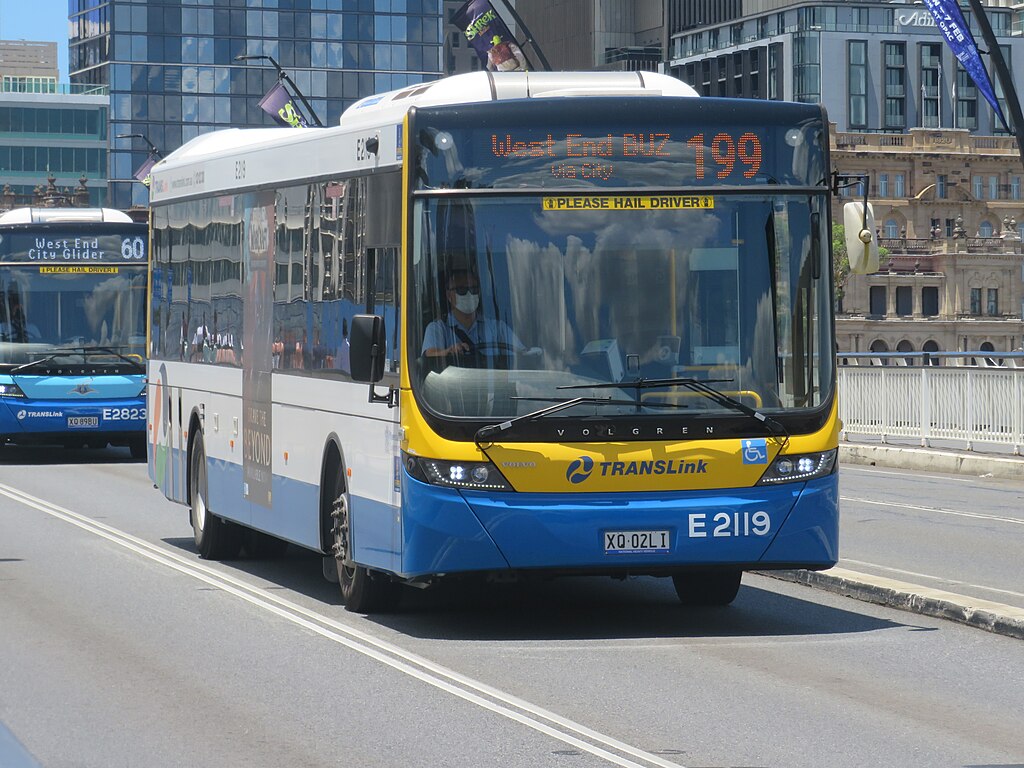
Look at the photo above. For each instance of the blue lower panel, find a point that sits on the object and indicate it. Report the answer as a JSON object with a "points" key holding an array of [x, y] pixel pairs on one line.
{"points": [[375, 534], [445, 531], [810, 535], [294, 516], [441, 534], [296, 512], [77, 419]]}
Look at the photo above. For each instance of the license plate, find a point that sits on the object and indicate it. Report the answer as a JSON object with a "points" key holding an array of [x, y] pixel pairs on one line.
{"points": [[635, 542], [83, 421]]}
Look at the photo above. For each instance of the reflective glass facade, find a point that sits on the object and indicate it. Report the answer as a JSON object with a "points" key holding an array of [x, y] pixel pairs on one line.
{"points": [[171, 66]]}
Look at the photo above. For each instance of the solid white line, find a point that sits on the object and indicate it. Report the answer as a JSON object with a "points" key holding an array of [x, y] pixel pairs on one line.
{"points": [[410, 664], [957, 513], [933, 578]]}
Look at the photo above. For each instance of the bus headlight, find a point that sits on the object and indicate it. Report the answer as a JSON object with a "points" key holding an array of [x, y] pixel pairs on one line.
{"points": [[800, 467], [11, 390], [471, 475]]}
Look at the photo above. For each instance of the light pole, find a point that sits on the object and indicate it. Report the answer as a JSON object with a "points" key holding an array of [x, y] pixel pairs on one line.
{"points": [[142, 172], [152, 147], [282, 75]]}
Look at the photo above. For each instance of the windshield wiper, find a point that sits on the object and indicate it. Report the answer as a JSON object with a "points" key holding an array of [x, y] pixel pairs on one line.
{"points": [[40, 361], [775, 428], [65, 351], [85, 350], [489, 430]]}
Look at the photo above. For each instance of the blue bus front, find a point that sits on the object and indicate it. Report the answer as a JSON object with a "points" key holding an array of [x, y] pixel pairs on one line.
{"points": [[72, 335], [619, 351]]}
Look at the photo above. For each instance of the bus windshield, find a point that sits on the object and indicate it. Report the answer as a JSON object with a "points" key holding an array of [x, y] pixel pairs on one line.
{"points": [[83, 311], [518, 300]]}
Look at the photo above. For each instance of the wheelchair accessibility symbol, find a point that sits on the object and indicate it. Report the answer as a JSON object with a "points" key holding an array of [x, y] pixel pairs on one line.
{"points": [[755, 451]]}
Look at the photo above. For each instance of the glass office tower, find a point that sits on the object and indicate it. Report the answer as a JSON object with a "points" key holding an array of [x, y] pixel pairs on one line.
{"points": [[172, 71]]}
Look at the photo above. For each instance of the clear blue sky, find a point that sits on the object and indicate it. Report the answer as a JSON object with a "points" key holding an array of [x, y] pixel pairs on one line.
{"points": [[43, 20]]}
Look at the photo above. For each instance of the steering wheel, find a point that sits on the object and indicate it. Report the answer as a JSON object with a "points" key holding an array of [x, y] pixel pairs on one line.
{"points": [[488, 354]]}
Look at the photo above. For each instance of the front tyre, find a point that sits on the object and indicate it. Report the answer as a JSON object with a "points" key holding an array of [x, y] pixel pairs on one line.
{"points": [[216, 539], [707, 587], [362, 590]]}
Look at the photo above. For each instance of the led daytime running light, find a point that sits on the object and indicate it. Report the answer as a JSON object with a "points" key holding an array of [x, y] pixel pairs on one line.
{"points": [[11, 390], [471, 475], [807, 466]]}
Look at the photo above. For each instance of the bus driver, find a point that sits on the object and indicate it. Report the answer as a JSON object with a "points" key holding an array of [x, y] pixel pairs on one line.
{"points": [[464, 331]]}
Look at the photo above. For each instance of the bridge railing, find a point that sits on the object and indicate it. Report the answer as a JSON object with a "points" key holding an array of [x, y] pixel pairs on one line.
{"points": [[969, 399]]}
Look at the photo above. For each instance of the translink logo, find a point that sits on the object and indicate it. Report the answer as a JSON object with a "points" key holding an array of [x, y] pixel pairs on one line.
{"points": [[580, 469]]}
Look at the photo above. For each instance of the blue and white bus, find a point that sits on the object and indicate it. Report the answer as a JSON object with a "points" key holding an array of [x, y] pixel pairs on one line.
{"points": [[73, 285], [509, 324]]}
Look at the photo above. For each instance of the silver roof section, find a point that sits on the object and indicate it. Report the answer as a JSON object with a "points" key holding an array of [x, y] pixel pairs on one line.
{"points": [[63, 215], [498, 86], [228, 159]]}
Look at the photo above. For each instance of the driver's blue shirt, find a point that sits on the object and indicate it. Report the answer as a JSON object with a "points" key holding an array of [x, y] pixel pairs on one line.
{"points": [[489, 337]]}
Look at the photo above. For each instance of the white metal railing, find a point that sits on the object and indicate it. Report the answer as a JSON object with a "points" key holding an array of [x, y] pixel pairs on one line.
{"points": [[967, 404]]}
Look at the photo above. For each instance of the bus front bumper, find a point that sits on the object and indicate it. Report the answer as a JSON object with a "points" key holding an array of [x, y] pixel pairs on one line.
{"points": [[791, 525]]}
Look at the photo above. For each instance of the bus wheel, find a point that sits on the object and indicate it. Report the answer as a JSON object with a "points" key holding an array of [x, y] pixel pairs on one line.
{"points": [[216, 539], [707, 587], [362, 590]]}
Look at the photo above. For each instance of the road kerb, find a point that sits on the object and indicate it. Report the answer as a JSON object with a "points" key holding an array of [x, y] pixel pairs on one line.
{"points": [[931, 460], [994, 617]]}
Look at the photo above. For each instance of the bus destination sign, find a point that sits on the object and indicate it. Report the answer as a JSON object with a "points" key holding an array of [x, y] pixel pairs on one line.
{"points": [[575, 156], [667, 143], [70, 248]]}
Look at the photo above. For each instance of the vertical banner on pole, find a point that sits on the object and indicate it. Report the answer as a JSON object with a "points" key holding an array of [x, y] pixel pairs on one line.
{"points": [[950, 21], [279, 105]]}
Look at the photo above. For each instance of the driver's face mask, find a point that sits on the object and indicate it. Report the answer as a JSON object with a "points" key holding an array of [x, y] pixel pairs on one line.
{"points": [[467, 302]]}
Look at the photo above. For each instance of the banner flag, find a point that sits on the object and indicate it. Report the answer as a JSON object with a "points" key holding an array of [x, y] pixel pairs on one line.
{"points": [[489, 36], [278, 104], [950, 20], [142, 174]]}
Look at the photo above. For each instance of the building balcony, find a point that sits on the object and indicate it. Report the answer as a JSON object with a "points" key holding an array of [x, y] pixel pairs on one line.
{"points": [[59, 89], [930, 140]]}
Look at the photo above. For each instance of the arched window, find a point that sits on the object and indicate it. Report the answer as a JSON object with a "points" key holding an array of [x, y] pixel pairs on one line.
{"points": [[931, 346], [986, 346], [985, 229], [906, 346], [892, 228], [880, 346]]}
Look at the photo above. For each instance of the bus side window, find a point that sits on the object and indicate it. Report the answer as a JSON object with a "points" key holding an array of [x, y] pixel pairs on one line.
{"points": [[383, 233]]}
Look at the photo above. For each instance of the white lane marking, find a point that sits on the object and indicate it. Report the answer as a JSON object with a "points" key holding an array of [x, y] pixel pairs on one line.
{"points": [[908, 474], [920, 508], [418, 667], [933, 578]]}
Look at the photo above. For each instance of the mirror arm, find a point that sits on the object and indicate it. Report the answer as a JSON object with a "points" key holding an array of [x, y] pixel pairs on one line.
{"points": [[844, 180], [391, 398]]}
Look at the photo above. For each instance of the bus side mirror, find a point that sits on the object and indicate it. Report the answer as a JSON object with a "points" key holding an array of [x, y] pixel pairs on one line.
{"points": [[861, 244], [367, 340]]}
